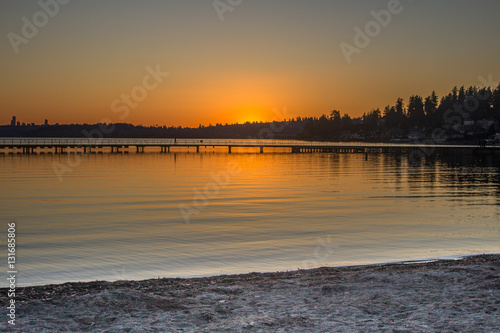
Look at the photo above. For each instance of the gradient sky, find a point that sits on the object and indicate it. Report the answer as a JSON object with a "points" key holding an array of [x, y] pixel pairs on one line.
{"points": [[263, 55]]}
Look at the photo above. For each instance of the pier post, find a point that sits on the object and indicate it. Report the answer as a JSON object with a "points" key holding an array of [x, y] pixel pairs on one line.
{"points": [[261, 150], [197, 149], [229, 150]]}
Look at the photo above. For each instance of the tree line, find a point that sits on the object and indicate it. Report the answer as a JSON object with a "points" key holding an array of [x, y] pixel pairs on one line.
{"points": [[449, 112]]}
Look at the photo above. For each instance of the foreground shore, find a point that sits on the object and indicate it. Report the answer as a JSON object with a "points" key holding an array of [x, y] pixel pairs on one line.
{"points": [[440, 296]]}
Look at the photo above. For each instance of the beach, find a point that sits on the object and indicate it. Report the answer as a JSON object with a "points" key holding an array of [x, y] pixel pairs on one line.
{"points": [[437, 296]]}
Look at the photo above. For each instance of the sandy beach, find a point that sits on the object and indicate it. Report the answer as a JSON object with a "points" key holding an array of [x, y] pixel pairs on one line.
{"points": [[440, 296]]}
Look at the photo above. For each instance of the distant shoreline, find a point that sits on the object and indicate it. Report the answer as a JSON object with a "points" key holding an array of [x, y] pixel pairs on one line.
{"points": [[440, 295]]}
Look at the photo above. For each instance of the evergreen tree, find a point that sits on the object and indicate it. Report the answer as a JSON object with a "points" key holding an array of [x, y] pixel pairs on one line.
{"points": [[496, 102], [430, 107], [346, 122], [371, 120], [416, 113], [391, 118]]}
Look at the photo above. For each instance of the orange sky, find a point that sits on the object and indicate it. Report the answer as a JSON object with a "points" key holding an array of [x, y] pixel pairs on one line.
{"points": [[260, 57]]}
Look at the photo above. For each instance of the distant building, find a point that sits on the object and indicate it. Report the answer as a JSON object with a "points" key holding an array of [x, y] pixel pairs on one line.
{"points": [[13, 121], [18, 123], [46, 122]]}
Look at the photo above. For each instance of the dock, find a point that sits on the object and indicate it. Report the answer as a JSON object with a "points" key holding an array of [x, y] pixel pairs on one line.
{"points": [[140, 145]]}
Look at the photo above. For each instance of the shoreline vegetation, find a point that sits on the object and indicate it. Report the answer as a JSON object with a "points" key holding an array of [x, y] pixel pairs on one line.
{"points": [[432, 296], [465, 115]]}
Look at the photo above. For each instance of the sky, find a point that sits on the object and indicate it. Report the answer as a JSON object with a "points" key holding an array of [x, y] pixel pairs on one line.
{"points": [[191, 62]]}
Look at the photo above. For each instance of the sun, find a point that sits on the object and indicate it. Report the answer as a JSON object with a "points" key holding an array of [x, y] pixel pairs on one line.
{"points": [[250, 114]]}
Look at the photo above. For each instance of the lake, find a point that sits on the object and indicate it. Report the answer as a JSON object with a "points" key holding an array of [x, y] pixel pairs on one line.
{"points": [[138, 216]]}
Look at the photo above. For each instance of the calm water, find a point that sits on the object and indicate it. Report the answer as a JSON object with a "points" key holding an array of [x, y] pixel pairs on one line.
{"points": [[117, 216]]}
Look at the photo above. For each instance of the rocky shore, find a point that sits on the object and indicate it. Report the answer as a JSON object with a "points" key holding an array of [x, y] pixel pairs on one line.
{"points": [[440, 296]]}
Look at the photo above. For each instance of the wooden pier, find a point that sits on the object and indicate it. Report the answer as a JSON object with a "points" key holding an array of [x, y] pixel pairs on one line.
{"points": [[111, 145]]}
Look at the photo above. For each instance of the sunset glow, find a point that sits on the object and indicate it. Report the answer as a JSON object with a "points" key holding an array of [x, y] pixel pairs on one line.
{"points": [[260, 56]]}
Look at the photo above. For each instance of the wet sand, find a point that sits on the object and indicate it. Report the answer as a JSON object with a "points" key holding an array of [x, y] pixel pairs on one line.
{"points": [[441, 296]]}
